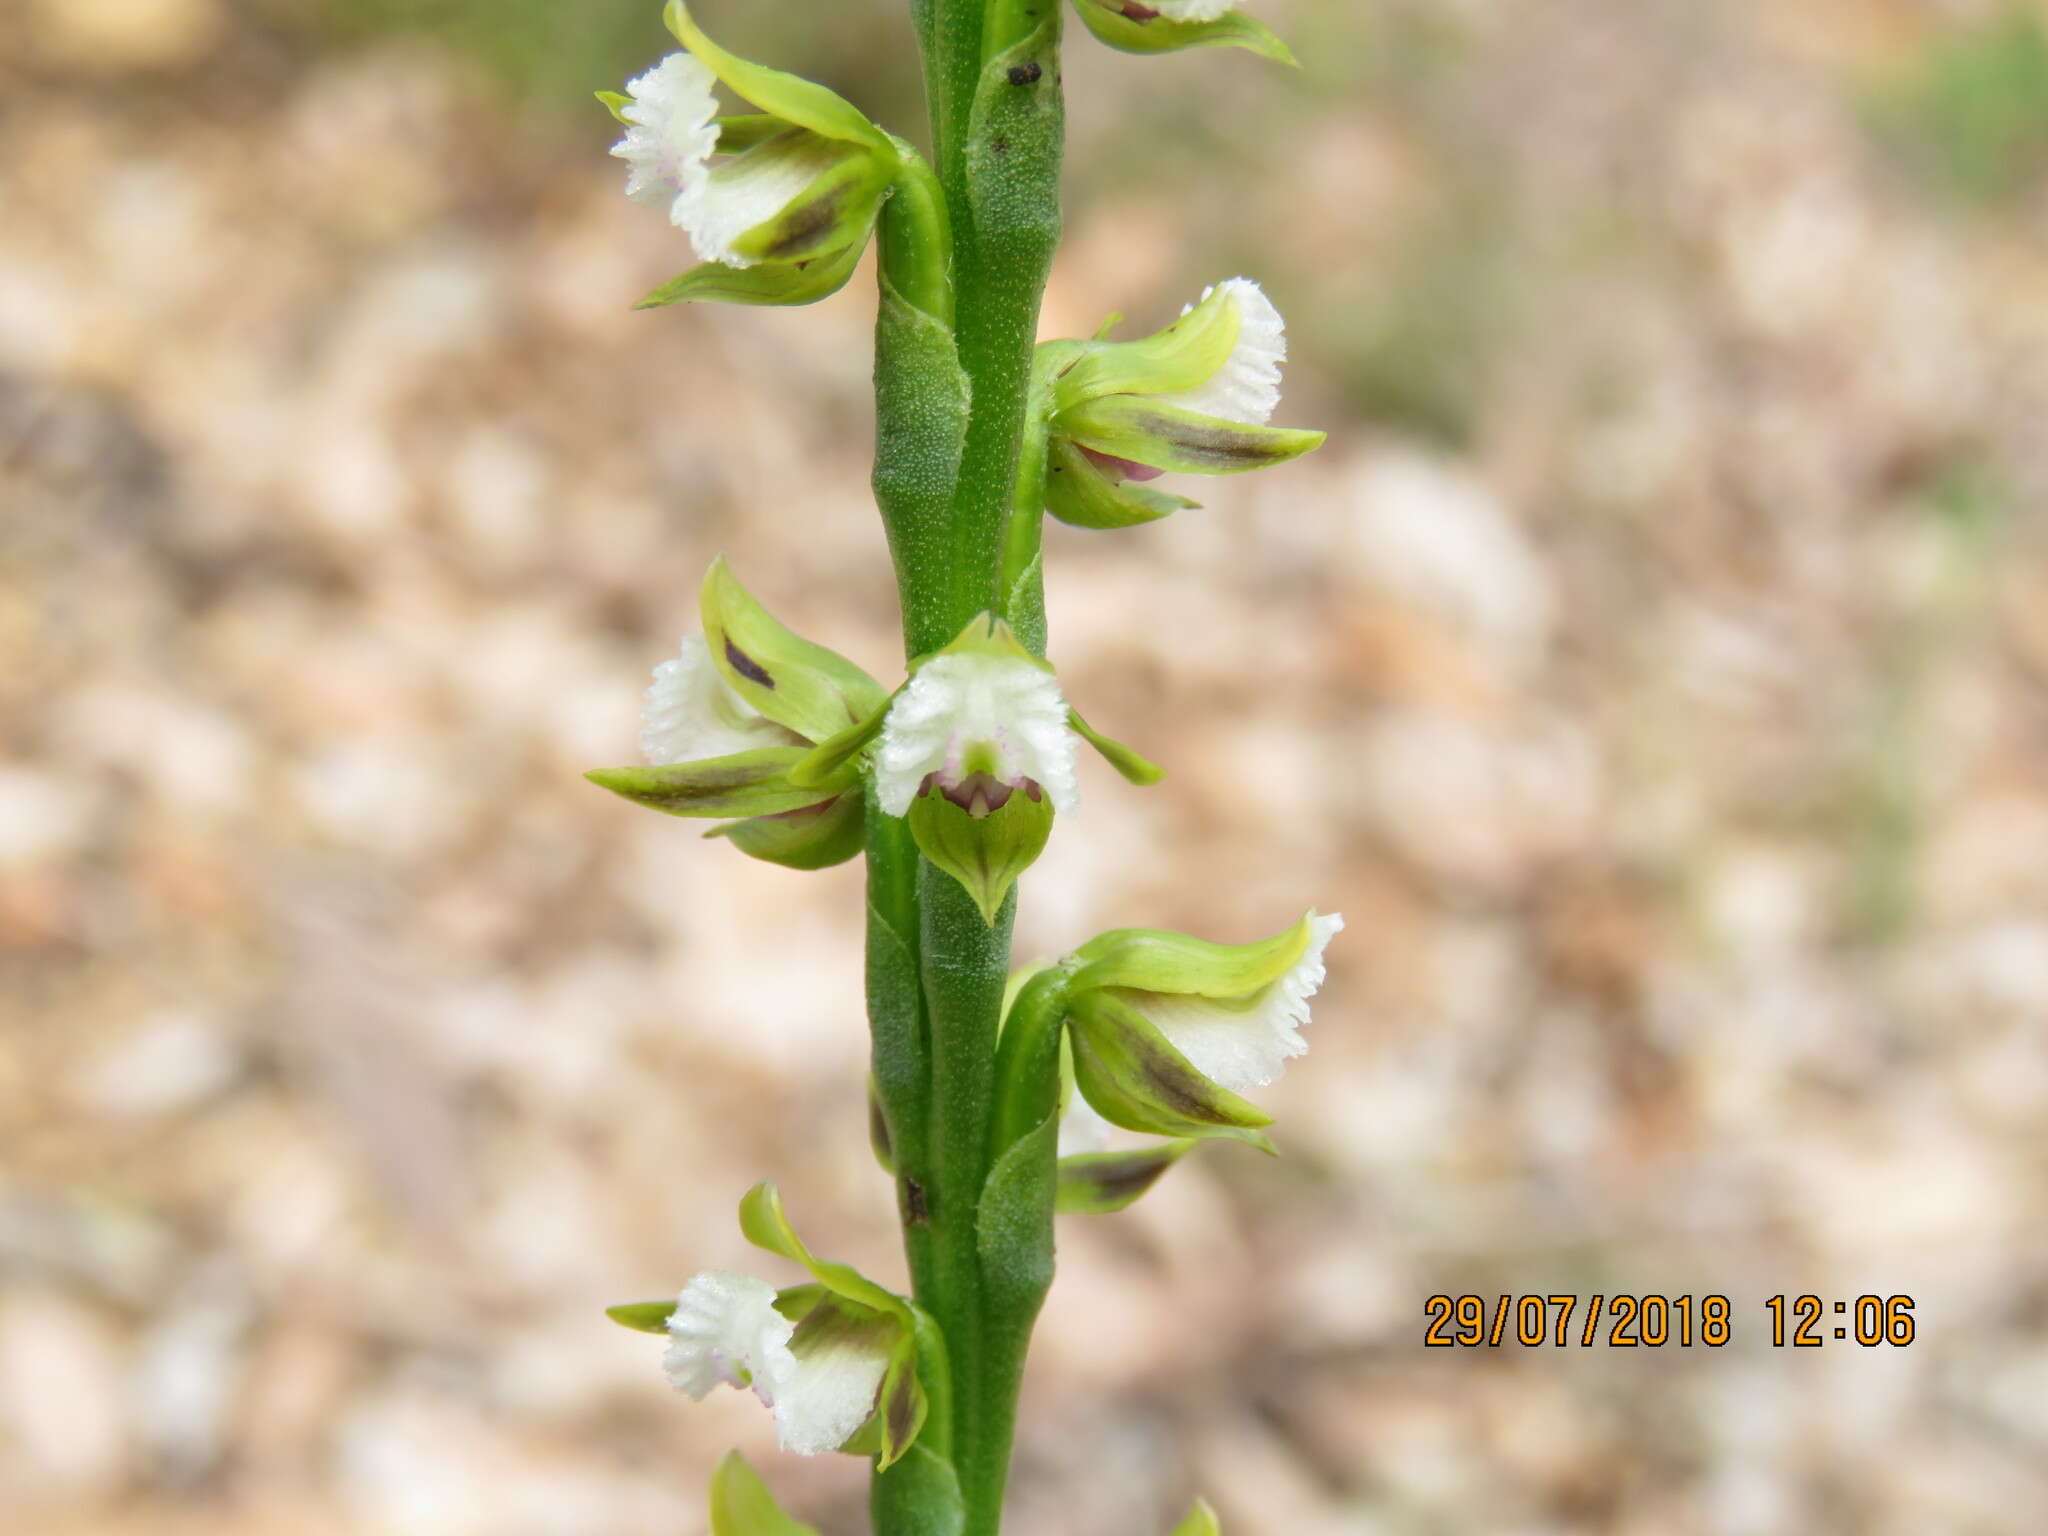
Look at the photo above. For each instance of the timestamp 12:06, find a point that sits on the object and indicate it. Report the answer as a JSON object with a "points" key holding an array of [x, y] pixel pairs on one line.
{"points": [[1652, 1321], [1807, 1322]]}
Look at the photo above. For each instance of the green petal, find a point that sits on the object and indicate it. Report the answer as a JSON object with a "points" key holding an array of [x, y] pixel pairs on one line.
{"points": [[1149, 431], [741, 1504], [615, 102], [815, 692], [985, 854], [745, 784], [1096, 1183], [1136, 1079], [768, 283], [1182, 356], [1159, 34], [835, 210], [790, 97], [1078, 493], [1158, 960], [1139, 770], [767, 1226], [642, 1316], [813, 837], [832, 760]]}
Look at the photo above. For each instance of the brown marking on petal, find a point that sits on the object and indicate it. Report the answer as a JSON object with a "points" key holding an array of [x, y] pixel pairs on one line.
{"points": [[979, 794], [901, 1408], [1179, 1086], [808, 227], [1026, 74], [746, 666], [1125, 1179], [1136, 12], [1225, 447]]}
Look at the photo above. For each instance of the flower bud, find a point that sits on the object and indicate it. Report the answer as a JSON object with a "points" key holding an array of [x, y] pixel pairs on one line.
{"points": [[779, 204], [1195, 397], [1166, 26]]}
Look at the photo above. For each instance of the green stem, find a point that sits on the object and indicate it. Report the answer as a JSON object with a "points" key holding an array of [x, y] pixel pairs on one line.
{"points": [[954, 346]]}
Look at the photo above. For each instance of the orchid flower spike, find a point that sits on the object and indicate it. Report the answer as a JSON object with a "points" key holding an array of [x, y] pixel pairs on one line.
{"points": [[978, 750], [744, 722], [834, 1360], [1165, 26], [778, 204], [1165, 1028], [1195, 397]]}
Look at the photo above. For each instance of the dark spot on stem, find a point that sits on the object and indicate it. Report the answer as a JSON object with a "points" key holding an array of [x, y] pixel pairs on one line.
{"points": [[1000, 144], [746, 666], [917, 1211], [1025, 74]]}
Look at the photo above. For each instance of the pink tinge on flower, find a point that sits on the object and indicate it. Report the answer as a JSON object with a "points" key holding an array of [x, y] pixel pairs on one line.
{"points": [[1121, 469]]}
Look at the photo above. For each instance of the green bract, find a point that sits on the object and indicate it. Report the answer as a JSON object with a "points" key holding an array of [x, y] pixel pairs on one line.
{"points": [[1136, 28], [741, 1504]]}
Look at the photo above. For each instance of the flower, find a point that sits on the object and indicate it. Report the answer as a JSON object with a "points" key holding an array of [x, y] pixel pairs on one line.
{"points": [[752, 722], [1165, 1028], [690, 713], [778, 204], [1196, 397], [821, 1375], [977, 726], [1244, 1040]]}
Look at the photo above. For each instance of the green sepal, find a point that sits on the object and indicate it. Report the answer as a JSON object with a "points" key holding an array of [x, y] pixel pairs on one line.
{"points": [[1158, 960], [987, 853], [833, 213], [1079, 494], [813, 837], [767, 1226], [741, 1504], [1178, 357], [1149, 431], [752, 783], [986, 635], [1200, 1521], [771, 282], [815, 692], [1138, 769], [832, 760], [616, 102], [642, 1316], [789, 97], [1097, 1183], [1160, 34], [1136, 1079]]}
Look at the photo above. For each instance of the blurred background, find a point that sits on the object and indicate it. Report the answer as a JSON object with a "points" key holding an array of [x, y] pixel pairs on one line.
{"points": [[1653, 669]]}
